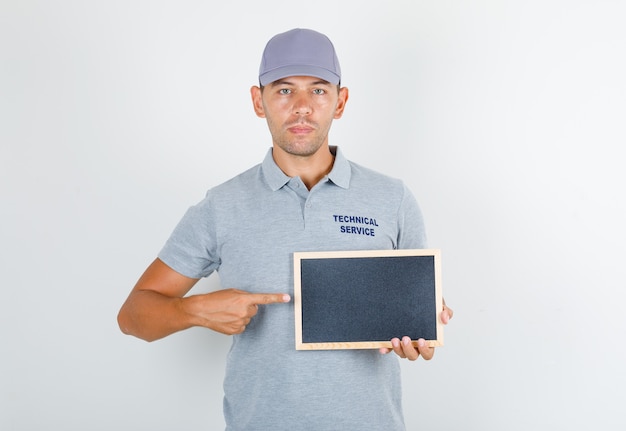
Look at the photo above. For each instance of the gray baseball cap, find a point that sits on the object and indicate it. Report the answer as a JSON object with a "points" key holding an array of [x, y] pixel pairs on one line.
{"points": [[299, 52]]}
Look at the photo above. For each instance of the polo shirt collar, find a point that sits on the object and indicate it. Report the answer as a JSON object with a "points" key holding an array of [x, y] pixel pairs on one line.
{"points": [[276, 178], [340, 173]]}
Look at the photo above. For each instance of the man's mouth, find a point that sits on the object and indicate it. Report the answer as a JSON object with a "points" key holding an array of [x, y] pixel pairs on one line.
{"points": [[300, 129]]}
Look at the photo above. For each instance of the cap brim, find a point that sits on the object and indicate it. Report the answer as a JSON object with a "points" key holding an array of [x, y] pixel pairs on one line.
{"points": [[298, 70]]}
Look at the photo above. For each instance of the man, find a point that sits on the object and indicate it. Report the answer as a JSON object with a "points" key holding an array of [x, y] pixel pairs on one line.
{"points": [[249, 227]]}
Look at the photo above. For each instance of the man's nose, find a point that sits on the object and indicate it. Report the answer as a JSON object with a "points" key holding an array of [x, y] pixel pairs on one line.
{"points": [[302, 105]]}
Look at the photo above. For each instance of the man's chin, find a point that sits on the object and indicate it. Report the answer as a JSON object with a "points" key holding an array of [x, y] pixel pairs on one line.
{"points": [[301, 150]]}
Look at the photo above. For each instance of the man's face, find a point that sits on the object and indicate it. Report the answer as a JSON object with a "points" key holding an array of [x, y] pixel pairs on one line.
{"points": [[299, 111]]}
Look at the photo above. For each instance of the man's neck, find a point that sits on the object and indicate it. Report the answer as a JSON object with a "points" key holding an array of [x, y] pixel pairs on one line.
{"points": [[311, 169]]}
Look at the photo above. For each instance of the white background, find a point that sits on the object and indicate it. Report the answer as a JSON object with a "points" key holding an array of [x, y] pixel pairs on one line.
{"points": [[505, 118]]}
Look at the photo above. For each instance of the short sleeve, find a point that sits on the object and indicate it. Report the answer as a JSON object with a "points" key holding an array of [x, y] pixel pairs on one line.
{"points": [[411, 229], [191, 249]]}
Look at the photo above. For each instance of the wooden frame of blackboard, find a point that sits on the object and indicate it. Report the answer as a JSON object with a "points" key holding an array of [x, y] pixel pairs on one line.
{"points": [[421, 287]]}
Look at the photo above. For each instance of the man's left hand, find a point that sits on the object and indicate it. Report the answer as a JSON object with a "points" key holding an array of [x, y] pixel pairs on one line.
{"points": [[405, 349]]}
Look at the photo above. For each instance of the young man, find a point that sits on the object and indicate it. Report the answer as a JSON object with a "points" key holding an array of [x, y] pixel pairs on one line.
{"points": [[249, 227]]}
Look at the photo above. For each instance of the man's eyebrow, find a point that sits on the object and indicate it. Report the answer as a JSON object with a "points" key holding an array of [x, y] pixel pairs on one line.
{"points": [[321, 82], [280, 82]]}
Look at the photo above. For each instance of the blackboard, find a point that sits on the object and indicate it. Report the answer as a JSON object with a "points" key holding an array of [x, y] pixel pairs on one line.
{"points": [[363, 299]]}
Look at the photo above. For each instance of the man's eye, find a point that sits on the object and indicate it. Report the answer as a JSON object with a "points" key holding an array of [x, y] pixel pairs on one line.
{"points": [[284, 91], [319, 91]]}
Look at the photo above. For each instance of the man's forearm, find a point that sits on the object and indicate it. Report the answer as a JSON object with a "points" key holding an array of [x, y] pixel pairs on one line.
{"points": [[151, 315]]}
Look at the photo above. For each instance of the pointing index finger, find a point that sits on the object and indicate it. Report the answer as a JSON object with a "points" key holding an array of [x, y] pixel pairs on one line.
{"points": [[269, 298]]}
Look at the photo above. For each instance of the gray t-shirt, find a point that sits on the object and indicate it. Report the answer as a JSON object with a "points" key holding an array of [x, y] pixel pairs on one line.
{"points": [[247, 229]]}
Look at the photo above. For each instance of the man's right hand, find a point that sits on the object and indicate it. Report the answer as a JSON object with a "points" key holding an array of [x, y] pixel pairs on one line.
{"points": [[228, 311]]}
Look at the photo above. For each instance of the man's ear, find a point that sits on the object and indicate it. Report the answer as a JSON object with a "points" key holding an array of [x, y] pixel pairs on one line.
{"points": [[257, 101], [341, 102]]}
